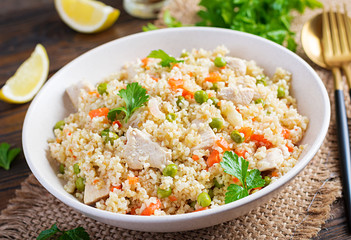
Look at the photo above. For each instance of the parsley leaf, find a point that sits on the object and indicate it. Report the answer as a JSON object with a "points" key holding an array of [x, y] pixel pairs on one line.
{"points": [[166, 60], [235, 192], [46, 234], [134, 96], [238, 167], [7, 155], [74, 234]]}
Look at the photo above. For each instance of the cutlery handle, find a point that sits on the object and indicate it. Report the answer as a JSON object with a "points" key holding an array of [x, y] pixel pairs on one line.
{"points": [[344, 150]]}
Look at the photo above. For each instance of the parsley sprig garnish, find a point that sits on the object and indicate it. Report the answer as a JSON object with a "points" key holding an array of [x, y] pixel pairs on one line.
{"points": [[134, 97], [238, 167], [166, 60], [74, 234], [7, 155]]}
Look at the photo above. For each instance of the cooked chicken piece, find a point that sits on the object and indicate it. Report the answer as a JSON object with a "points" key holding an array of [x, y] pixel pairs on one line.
{"points": [[239, 95], [237, 65], [73, 91], [131, 71], [94, 192], [232, 115], [154, 110], [208, 137], [273, 159], [140, 149]]}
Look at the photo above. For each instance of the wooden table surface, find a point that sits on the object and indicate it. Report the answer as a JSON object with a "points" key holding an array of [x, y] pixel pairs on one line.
{"points": [[23, 24]]}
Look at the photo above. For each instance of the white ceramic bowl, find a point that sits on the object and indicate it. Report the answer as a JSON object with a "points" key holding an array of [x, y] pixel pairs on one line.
{"points": [[51, 105]]}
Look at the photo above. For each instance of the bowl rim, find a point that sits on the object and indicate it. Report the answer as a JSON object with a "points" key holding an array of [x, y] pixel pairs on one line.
{"points": [[103, 214]]}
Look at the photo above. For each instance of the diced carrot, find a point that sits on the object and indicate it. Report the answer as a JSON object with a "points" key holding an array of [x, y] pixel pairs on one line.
{"points": [[195, 157], [222, 143], [96, 181], [261, 140], [290, 147], [286, 133], [151, 208], [236, 180], [115, 187], [191, 74], [210, 95], [213, 158], [240, 153], [99, 112], [118, 123], [187, 94], [213, 77], [247, 131], [69, 134], [155, 78], [133, 180], [176, 65], [258, 188], [201, 209], [58, 140], [254, 119], [219, 103], [222, 67], [275, 174], [145, 61], [172, 198], [175, 84], [94, 93]]}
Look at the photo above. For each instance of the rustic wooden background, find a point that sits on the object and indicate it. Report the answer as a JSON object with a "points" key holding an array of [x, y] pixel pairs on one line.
{"points": [[23, 24]]}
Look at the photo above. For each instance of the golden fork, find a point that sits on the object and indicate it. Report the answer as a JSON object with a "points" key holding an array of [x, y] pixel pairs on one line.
{"points": [[336, 43]]}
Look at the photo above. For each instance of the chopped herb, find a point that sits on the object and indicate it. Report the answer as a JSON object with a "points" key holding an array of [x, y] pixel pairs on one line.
{"points": [[7, 155], [149, 27], [166, 60], [134, 96], [74, 234], [238, 167]]}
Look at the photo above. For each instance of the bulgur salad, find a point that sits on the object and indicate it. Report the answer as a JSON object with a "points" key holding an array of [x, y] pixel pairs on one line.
{"points": [[170, 135]]}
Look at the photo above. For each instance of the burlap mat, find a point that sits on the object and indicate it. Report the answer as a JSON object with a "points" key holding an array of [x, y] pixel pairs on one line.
{"points": [[296, 213]]}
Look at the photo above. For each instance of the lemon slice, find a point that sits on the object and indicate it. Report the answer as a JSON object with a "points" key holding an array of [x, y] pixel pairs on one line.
{"points": [[86, 16], [28, 79]]}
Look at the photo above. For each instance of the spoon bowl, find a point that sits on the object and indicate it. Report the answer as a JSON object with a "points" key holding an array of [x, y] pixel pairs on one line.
{"points": [[311, 36]]}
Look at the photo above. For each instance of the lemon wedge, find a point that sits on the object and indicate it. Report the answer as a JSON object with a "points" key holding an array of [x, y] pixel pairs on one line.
{"points": [[28, 79], [86, 16]]}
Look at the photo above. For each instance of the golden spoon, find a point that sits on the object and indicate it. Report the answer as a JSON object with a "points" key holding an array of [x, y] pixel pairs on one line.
{"points": [[311, 36]]}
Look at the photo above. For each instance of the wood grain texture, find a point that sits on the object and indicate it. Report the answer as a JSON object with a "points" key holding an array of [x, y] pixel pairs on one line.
{"points": [[23, 24]]}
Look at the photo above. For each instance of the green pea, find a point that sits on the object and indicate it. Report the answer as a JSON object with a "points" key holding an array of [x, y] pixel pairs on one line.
{"points": [[210, 193], [62, 168], [184, 54], [267, 180], [260, 100], [192, 204], [217, 123], [215, 101], [220, 62], [170, 170], [80, 185], [217, 184], [201, 96], [76, 168], [214, 87], [102, 88], [59, 125], [171, 117], [163, 193], [280, 92], [204, 199], [237, 137], [180, 101], [261, 81], [109, 136]]}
